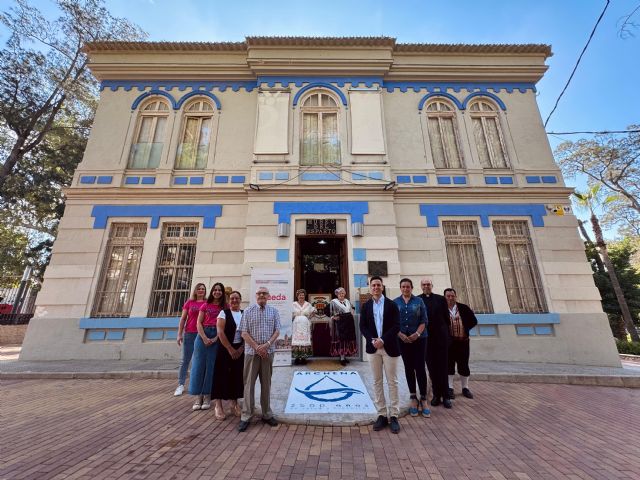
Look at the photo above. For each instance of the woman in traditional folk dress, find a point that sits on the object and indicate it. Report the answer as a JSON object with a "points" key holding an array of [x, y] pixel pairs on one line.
{"points": [[301, 331], [342, 327]]}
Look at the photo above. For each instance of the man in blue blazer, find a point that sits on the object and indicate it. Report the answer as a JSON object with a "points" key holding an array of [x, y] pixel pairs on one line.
{"points": [[380, 325]]}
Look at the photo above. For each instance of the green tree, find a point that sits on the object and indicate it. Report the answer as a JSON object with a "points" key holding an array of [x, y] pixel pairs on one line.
{"points": [[13, 246]]}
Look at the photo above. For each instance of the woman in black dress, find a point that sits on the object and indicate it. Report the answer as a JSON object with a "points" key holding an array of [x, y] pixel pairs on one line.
{"points": [[228, 376], [342, 325]]}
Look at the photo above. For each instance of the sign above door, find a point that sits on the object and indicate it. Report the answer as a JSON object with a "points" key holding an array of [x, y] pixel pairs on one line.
{"points": [[321, 227]]}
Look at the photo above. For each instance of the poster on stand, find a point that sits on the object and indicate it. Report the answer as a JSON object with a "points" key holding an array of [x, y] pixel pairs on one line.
{"points": [[279, 282]]}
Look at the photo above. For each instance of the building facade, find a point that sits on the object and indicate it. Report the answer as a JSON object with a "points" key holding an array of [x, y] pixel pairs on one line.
{"points": [[334, 157]]}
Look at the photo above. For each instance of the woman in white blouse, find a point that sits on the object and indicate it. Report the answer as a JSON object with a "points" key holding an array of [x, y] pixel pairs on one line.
{"points": [[301, 331], [343, 328]]}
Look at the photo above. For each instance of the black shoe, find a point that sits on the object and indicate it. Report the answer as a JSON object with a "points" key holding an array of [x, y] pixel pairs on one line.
{"points": [[243, 425], [303, 361], [381, 422], [447, 403], [435, 401], [270, 421], [395, 425], [467, 393], [451, 394]]}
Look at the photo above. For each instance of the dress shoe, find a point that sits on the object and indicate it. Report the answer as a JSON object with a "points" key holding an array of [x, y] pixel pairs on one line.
{"points": [[270, 421], [243, 425], [343, 362], [395, 425], [381, 422], [447, 403], [296, 361], [467, 393], [451, 394], [435, 401]]}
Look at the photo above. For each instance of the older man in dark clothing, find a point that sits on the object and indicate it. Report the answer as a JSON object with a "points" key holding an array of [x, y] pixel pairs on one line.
{"points": [[437, 342]]}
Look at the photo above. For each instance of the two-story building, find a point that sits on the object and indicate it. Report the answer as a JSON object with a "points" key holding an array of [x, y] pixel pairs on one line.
{"points": [[334, 157]]}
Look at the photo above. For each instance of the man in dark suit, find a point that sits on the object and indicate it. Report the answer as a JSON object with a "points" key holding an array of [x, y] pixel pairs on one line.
{"points": [[461, 321], [380, 325], [437, 342]]}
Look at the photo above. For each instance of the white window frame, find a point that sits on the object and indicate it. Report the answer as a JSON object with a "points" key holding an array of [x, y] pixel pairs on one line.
{"points": [[483, 115], [320, 110], [201, 115], [439, 115]]}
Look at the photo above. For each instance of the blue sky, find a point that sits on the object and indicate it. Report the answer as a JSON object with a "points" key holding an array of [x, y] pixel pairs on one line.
{"points": [[602, 96]]}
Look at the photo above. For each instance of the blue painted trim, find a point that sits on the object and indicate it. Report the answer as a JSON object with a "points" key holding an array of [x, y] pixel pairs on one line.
{"points": [[487, 330], [518, 318], [152, 93], [87, 179], [491, 180], [105, 179], [284, 81], [506, 180], [265, 176], [359, 176], [484, 211], [284, 210], [102, 213], [221, 179], [359, 254], [196, 180], [550, 179], [171, 334], [459, 180], [96, 335], [403, 179], [132, 180], [419, 179], [360, 280], [473, 95], [130, 322], [199, 93], [543, 329], [320, 177], [282, 255], [141, 85], [375, 175], [238, 179], [180, 180], [442, 87], [148, 180], [323, 84], [153, 334], [282, 175], [444, 180], [524, 330], [428, 96], [533, 179], [115, 335]]}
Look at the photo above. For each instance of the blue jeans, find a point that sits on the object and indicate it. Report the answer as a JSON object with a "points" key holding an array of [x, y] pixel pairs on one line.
{"points": [[203, 363], [188, 340]]}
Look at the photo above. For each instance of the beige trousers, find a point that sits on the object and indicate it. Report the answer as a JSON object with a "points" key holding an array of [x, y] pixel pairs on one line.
{"points": [[381, 361], [254, 367]]}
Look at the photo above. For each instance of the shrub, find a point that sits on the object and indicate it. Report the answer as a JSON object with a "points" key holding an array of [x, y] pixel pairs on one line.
{"points": [[629, 348]]}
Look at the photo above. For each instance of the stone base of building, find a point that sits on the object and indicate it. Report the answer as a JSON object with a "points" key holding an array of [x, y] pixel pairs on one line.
{"points": [[12, 334], [575, 339]]}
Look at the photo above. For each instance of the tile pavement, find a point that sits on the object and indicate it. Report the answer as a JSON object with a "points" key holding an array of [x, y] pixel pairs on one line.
{"points": [[136, 429]]}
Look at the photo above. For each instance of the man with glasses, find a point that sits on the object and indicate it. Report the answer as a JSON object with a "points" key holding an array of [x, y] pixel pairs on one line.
{"points": [[260, 328], [380, 325], [437, 343]]}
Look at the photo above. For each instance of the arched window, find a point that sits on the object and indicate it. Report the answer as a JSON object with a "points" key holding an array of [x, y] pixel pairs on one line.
{"points": [[149, 138], [443, 135], [320, 134], [488, 136], [196, 135]]}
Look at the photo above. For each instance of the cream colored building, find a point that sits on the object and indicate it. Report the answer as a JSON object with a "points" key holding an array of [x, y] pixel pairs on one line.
{"points": [[209, 159]]}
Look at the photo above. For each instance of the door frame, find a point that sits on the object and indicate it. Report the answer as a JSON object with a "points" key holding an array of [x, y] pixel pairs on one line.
{"points": [[343, 255]]}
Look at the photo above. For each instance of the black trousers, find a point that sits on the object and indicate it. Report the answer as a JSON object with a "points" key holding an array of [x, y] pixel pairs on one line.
{"points": [[437, 354], [459, 354], [413, 359]]}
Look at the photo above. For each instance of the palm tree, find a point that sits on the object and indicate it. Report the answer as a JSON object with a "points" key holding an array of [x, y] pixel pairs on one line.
{"points": [[588, 201]]}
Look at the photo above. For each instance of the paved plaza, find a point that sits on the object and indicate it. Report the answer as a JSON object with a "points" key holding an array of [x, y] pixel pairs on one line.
{"points": [[135, 428]]}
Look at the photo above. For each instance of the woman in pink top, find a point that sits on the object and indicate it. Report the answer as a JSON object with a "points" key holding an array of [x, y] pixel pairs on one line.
{"points": [[205, 348], [188, 331]]}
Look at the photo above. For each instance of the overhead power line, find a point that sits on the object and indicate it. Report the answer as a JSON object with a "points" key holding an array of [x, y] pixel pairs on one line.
{"points": [[577, 63], [601, 132]]}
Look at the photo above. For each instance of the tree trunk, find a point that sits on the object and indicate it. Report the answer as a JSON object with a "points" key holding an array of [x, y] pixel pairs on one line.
{"points": [[586, 237], [602, 246], [12, 160]]}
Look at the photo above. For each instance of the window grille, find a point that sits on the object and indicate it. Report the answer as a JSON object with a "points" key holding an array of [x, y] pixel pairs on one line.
{"points": [[466, 265], [443, 135], [519, 268], [147, 148], [488, 135], [320, 133], [119, 273], [174, 269]]}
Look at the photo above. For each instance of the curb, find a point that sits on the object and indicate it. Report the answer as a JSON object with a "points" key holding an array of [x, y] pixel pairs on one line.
{"points": [[619, 381]]}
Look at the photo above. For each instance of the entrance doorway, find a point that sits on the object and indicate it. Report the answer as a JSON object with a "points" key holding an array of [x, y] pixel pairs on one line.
{"points": [[321, 267]]}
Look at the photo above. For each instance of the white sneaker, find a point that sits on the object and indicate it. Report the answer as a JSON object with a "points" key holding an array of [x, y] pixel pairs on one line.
{"points": [[206, 403], [198, 404], [179, 391]]}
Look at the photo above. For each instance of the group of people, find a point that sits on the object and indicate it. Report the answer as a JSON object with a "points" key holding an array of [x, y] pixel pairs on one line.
{"points": [[229, 349]]}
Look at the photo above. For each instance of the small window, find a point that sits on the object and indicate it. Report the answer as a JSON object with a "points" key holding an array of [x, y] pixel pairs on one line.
{"points": [[320, 135], [146, 151], [443, 135], [196, 136], [488, 135]]}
